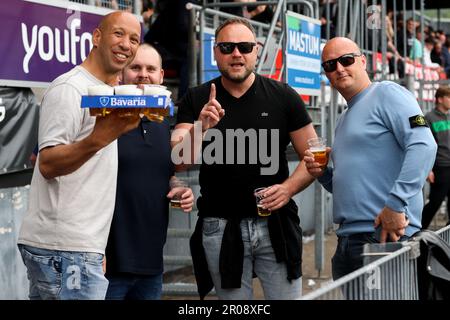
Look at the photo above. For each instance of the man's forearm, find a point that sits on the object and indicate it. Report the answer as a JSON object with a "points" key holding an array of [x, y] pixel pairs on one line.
{"points": [[193, 136], [299, 180], [62, 160]]}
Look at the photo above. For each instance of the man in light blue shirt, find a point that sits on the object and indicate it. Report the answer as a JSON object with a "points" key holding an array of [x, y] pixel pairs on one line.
{"points": [[382, 153]]}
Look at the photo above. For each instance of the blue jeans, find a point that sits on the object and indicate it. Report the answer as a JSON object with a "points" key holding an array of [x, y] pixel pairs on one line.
{"points": [[126, 286], [259, 258], [348, 256], [64, 275]]}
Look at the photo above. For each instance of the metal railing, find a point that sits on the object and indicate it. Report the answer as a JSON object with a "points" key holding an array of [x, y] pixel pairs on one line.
{"points": [[392, 276], [444, 233]]}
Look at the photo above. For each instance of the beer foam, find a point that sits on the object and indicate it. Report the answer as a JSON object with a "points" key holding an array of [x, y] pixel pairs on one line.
{"points": [[154, 89], [128, 89], [100, 90]]}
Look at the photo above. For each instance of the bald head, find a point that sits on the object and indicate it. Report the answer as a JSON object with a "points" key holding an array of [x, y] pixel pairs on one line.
{"points": [[153, 51], [347, 66], [112, 18], [115, 42], [338, 46]]}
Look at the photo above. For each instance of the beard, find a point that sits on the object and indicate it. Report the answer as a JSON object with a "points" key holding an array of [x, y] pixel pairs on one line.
{"points": [[237, 78]]}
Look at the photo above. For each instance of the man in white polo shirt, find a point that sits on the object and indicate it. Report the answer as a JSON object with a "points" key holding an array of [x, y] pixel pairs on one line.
{"points": [[64, 235]]}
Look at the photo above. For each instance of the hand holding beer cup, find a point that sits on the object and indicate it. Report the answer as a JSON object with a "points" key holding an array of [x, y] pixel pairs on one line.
{"points": [[109, 128], [316, 157], [180, 195], [259, 195]]}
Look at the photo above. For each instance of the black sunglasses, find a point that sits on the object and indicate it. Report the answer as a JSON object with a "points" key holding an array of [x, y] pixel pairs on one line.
{"points": [[228, 47], [345, 60]]}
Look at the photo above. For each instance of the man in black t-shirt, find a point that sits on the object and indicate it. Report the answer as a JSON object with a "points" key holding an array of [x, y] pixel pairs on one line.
{"points": [[134, 253], [245, 123]]}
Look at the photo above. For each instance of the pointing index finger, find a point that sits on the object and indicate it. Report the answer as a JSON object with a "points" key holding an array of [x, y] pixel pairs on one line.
{"points": [[212, 93]]}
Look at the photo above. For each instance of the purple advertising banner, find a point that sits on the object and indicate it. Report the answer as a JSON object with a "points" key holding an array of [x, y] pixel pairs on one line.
{"points": [[41, 40]]}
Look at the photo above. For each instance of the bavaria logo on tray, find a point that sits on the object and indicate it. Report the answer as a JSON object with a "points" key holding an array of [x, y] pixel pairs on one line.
{"points": [[129, 102], [123, 101], [104, 101]]}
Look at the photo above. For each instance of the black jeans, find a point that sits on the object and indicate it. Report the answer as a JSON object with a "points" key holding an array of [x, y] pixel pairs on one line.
{"points": [[348, 256], [438, 191]]}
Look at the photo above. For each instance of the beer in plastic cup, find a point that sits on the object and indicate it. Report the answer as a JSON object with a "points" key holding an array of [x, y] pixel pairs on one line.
{"points": [[175, 202], [259, 196], [318, 147]]}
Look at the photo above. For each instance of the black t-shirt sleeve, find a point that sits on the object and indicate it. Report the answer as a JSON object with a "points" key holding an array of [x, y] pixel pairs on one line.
{"points": [[297, 115], [185, 112]]}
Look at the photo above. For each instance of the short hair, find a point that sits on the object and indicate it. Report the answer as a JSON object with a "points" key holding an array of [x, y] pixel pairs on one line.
{"points": [[235, 21], [430, 40], [443, 91], [146, 45]]}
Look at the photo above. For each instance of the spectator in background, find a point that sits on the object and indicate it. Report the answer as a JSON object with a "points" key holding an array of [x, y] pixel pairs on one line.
{"points": [[446, 54], [440, 34], [439, 178], [436, 53], [323, 18], [393, 55], [410, 34], [261, 13], [416, 52], [148, 8], [427, 30], [429, 44], [441, 55]]}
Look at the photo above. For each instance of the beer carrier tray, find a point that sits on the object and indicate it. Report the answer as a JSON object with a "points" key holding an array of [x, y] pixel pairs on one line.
{"points": [[126, 101]]}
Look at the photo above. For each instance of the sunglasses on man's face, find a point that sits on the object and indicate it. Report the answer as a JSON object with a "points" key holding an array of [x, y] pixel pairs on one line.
{"points": [[228, 47], [345, 60]]}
